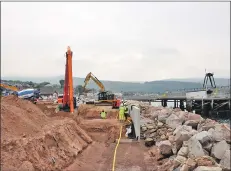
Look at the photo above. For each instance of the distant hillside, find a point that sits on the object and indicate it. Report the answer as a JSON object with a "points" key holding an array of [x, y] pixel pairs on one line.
{"points": [[118, 86], [218, 81]]}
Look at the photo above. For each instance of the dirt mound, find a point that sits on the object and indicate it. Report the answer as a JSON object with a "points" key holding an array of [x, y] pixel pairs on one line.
{"points": [[32, 140], [20, 117], [48, 109], [93, 112]]}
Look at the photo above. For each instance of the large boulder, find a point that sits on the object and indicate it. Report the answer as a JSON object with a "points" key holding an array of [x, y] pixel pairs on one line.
{"points": [[206, 125], [179, 160], [192, 123], [207, 168], [195, 148], [204, 137], [219, 149], [164, 114], [225, 160], [193, 116], [173, 121], [182, 115], [165, 147], [149, 142], [222, 132], [182, 128], [181, 137], [183, 152]]}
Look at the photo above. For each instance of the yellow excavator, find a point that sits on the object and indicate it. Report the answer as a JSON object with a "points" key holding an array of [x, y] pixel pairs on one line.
{"points": [[8, 87], [104, 97]]}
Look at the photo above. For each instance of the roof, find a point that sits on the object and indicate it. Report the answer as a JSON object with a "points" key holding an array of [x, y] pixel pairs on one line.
{"points": [[50, 90]]}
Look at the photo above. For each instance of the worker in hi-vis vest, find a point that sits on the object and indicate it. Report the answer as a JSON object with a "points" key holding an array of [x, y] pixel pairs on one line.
{"points": [[103, 114], [121, 113]]}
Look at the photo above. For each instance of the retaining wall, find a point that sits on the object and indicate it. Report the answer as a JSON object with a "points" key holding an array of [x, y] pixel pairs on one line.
{"points": [[134, 112]]}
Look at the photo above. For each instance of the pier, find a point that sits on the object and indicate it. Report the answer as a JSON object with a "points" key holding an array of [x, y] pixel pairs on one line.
{"points": [[212, 102]]}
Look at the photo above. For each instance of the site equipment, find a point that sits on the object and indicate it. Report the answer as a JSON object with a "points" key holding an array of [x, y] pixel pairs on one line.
{"points": [[209, 76], [29, 94], [68, 101], [104, 97], [8, 87], [91, 76]]}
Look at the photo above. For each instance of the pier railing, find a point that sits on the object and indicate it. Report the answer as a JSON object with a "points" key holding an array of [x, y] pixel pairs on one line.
{"points": [[219, 92]]}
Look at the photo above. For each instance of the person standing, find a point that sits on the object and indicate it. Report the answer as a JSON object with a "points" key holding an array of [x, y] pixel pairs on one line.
{"points": [[121, 113], [103, 114]]}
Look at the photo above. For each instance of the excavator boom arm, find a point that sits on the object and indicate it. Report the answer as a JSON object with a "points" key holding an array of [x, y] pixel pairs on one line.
{"points": [[91, 76], [13, 88]]}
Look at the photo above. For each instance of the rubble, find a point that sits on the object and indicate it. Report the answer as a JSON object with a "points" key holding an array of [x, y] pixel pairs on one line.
{"points": [[197, 143], [165, 147], [173, 121]]}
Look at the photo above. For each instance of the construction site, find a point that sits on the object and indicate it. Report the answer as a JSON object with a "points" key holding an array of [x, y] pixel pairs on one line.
{"points": [[103, 136]]}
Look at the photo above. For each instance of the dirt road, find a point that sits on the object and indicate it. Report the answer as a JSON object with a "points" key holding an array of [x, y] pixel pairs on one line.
{"points": [[130, 157]]}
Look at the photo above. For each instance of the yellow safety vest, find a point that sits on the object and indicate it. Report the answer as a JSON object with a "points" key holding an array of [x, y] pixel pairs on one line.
{"points": [[103, 114], [122, 109]]}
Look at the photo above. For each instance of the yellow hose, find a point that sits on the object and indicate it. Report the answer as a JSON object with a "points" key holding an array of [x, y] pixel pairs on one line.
{"points": [[114, 159]]}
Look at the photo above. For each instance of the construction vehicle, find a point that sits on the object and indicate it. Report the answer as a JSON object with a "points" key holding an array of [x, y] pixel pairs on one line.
{"points": [[9, 87], [27, 94], [68, 100], [104, 97]]}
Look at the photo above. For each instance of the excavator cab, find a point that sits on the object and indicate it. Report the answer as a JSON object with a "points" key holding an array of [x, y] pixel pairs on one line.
{"points": [[103, 96]]}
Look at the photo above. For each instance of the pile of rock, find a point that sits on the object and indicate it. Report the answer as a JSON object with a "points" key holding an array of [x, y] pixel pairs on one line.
{"points": [[192, 142], [155, 132]]}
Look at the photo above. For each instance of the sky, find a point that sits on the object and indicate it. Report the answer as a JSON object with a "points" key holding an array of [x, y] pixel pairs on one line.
{"points": [[124, 41]]}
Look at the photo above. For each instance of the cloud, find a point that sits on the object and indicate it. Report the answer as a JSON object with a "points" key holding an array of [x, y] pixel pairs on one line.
{"points": [[116, 41]]}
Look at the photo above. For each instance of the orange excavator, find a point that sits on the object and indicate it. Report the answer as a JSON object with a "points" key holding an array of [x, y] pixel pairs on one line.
{"points": [[68, 100], [104, 97]]}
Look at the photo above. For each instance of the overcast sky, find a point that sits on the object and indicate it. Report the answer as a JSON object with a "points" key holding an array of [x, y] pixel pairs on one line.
{"points": [[132, 41]]}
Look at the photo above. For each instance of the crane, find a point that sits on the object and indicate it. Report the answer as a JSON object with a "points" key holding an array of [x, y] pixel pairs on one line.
{"points": [[104, 97]]}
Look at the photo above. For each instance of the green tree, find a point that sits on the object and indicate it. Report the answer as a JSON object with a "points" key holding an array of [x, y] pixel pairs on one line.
{"points": [[40, 85], [80, 89], [61, 83]]}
